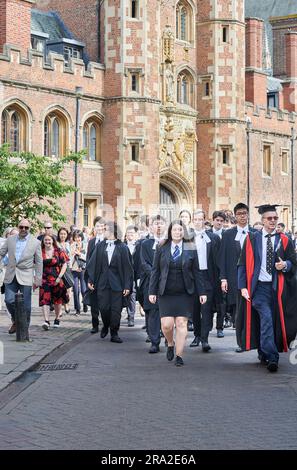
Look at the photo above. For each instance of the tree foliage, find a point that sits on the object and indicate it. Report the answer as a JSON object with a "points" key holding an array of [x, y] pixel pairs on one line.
{"points": [[31, 186]]}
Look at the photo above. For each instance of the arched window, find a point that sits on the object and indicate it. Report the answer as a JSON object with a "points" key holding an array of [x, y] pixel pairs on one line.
{"points": [[184, 21], [55, 135], [185, 89], [13, 128], [92, 138]]}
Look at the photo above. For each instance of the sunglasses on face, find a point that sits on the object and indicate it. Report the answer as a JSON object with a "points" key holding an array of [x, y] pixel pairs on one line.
{"points": [[22, 227], [48, 227], [271, 218]]}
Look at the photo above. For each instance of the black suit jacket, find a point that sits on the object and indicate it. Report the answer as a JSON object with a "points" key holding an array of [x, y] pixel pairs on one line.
{"points": [[118, 274], [229, 256], [190, 268]]}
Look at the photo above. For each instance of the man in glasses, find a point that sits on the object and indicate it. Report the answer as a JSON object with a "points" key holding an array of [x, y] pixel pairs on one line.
{"points": [[24, 269], [266, 276], [232, 243], [48, 230]]}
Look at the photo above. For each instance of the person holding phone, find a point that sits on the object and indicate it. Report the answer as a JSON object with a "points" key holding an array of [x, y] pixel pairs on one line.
{"points": [[266, 277]]}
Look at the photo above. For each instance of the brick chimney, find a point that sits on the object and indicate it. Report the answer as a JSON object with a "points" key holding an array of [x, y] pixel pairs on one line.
{"points": [[290, 83], [15, 23], [256, 79], [254, 43]]}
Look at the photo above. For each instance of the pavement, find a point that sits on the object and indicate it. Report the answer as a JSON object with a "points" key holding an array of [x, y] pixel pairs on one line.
{"points": [[18, 357], [119, 397]]}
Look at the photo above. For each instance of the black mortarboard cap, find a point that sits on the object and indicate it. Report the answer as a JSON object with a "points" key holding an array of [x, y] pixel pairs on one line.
{"points": [[267, 208]]}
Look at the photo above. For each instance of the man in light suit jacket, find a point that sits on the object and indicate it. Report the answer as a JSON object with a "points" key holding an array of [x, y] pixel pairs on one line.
{"points": [[24, 257]]}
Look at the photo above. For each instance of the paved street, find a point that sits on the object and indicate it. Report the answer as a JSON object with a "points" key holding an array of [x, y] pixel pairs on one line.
{"points": [[120, 397]]}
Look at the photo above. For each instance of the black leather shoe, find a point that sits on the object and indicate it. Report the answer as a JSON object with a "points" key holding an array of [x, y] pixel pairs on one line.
{"points": [[104, 332], [85, 308], [272, 366], [263, 361], [178, 361], [148, 339], [220, 334], [154, 349], [239, 349], [170, 353], [116, 339], [195, 342], [130, 323], [94, 330], [205, 347]]}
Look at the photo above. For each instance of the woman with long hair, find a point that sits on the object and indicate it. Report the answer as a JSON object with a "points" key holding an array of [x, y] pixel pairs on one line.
{"points": [[176, 279], [63, 243], [52, 290]]}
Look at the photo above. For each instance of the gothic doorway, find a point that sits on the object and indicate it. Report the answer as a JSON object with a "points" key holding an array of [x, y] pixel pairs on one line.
{"points": [[167, 204]]}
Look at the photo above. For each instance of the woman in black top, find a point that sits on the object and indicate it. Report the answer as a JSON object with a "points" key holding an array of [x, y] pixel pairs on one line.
{"points": [[176, 279]]}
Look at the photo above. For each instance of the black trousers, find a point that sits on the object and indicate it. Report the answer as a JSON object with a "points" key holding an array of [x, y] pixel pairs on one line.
{"points": [[203, 317], [95, 310], [154, 325], [221, 312], [110, 306]]}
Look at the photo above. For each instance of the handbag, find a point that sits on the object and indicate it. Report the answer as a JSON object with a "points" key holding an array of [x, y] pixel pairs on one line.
{"points": [[81, 263], [68, 278]]}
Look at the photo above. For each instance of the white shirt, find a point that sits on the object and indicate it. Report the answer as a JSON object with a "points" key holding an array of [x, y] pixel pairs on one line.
{"points": [[174, 245], [218, 232], [157, 241], [264, 276], [110, 249], [131, 246], [201, 240], [99, 238], [241, 234]]}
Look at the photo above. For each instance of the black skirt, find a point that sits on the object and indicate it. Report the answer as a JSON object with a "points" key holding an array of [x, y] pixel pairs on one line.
{"points": [[180, 305]]}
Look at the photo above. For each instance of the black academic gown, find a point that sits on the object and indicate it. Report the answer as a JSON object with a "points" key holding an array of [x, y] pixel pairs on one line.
{"points": [[284, 293], [229, 255]]}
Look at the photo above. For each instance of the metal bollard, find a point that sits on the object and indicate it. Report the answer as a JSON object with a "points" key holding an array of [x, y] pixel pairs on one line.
{"points": [[22, 327]]}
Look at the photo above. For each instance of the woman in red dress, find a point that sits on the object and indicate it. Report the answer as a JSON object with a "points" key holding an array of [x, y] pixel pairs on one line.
{"points": [[52, 290]]}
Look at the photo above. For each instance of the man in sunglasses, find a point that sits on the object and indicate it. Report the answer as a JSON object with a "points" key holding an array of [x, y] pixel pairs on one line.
{"points": [[24, 269], [266, 277]]}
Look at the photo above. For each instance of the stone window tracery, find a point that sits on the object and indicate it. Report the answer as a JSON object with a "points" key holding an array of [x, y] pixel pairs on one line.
{"points": [[13, 128], [55, 135], [184, 21]]}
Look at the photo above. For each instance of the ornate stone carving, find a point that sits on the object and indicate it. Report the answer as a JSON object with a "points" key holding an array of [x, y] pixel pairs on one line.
{"points": [[168, 44]]}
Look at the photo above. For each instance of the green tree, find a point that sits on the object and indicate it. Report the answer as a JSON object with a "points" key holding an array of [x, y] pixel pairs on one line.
{"points": [[31, 186]]}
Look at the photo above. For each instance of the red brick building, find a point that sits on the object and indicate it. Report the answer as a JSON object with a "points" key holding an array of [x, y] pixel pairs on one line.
{"points": [[182, 102]]}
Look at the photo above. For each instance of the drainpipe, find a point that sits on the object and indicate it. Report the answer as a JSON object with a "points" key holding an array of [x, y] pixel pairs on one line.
{"points": [[79, 93], [293, 138], [248, 131]]}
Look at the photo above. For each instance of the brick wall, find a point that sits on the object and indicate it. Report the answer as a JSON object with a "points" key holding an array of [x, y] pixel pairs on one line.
{"points": [[15, 23], [81, 18]]}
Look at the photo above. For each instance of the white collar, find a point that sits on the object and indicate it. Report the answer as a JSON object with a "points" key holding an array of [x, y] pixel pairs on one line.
{"points": [[180, 244], [264, 233], [241, 229]]}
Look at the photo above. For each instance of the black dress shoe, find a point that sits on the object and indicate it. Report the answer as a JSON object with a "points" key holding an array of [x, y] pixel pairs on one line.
{"points": [[130, 323], [220, 333], [205, 346], [239, 349], [195, 342], [272, 366], [104, 332], [148, 339], [170, 353], [94, 330], [178, 361], [154, 349], [263, 361], [116, 339]]}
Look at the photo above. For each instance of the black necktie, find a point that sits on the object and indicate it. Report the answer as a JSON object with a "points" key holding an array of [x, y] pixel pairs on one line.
{"points": [[269, 255]]}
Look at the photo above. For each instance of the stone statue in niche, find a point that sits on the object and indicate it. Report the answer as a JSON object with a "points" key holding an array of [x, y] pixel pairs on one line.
{"points": [[169, 79]]}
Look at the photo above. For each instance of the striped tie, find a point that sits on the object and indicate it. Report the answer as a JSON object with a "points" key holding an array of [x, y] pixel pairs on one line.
{"points": [[176, 253]]}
